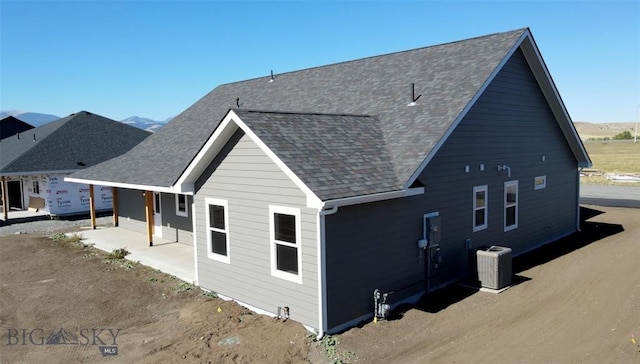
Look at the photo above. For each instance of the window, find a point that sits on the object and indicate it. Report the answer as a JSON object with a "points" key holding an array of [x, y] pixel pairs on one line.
{"points": [[480, 194], [181, 205], [284, 229], [36, 186], [217, 217], [540, 182], [510, 205]]}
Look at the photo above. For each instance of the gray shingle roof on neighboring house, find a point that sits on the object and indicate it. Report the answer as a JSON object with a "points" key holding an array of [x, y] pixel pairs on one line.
{"points": [[10, 126], [393, 137], [74, 142]]}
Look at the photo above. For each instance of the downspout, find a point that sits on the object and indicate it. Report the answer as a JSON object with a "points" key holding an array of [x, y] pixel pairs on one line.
{"points": [[578, 200], [322, 272], [195, 240]]}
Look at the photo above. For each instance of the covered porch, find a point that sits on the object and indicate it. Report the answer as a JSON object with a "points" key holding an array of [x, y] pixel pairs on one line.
{"points": [[169, 257]]}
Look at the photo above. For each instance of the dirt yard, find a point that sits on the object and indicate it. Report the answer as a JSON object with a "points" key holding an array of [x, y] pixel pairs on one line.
{"points": [[574, 301]]}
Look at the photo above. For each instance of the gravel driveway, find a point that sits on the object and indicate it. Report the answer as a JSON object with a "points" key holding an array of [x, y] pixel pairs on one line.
{"points": [[45, 224]]}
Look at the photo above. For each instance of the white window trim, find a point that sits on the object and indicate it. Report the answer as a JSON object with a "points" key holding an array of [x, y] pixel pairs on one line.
{"points": [[208, 229], [297, 278], [543, 183], [476, 189], [184, 213], [508, 184]]}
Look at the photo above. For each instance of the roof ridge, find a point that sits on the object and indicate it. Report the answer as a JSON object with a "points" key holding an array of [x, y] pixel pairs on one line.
{"points": [[301, 113], [275, 75]]}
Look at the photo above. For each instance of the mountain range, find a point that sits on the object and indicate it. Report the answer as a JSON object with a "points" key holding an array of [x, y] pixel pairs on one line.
{"points": [[39, 119]]}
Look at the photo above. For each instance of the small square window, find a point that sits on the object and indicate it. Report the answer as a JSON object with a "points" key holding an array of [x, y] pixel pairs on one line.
{"points": [[285, 227], [540, 182], [181, 205]]}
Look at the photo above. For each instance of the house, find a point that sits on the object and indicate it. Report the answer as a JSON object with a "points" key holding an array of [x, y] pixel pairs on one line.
{"points": [[10, 126], [33, 163], [311, 189]]}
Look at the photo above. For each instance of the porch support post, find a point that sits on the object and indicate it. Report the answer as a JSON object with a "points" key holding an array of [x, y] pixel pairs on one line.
{"points": [[5, 198], [92, 207], [114, 198], [148, 197]]}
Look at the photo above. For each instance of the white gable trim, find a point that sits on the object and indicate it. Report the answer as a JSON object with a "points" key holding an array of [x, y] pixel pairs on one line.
{"points": [[466, 109], [218, 139]]}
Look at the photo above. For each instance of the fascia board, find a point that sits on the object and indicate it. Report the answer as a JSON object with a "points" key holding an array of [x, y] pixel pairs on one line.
{"points": [[356, 200], [37, 173], [129, 186], [466, 109]]}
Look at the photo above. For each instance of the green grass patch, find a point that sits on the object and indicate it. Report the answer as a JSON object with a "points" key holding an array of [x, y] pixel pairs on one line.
{"points": [[118, 254], [185, 287], [334, 354], [117, 260], [209, 294], [75, 240], [614, 156]]}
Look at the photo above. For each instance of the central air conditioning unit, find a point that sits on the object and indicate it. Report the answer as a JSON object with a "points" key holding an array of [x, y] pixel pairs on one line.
{"points": [[494, 267]]}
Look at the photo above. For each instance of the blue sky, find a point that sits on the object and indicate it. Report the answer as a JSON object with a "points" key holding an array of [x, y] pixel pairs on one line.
{"points": [[156, 58]]}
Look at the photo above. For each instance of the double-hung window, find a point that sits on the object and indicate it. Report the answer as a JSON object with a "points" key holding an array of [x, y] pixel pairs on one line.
{"points": [[286, 255], [217, 219], [480, 195], [181, 205], [510, 205]]}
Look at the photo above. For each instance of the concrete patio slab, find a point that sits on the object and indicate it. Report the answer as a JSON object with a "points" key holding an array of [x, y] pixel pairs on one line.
{"points": [[169, 257]]}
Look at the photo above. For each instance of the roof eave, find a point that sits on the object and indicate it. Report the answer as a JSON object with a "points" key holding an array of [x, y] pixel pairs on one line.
{"points": [[357, 200], [185, 189], [38, 173]]}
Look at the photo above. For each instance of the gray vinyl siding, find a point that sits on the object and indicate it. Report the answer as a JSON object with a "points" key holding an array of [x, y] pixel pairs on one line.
{"points": [[371, 246], [175, 227], [374, 245], [132, 215], [249, 181], [510, 124]]}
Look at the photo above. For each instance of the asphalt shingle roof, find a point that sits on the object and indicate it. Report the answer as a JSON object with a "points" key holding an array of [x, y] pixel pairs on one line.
{"points": [[446, 76], [62, 144], [333, 154], [10, 126]]}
